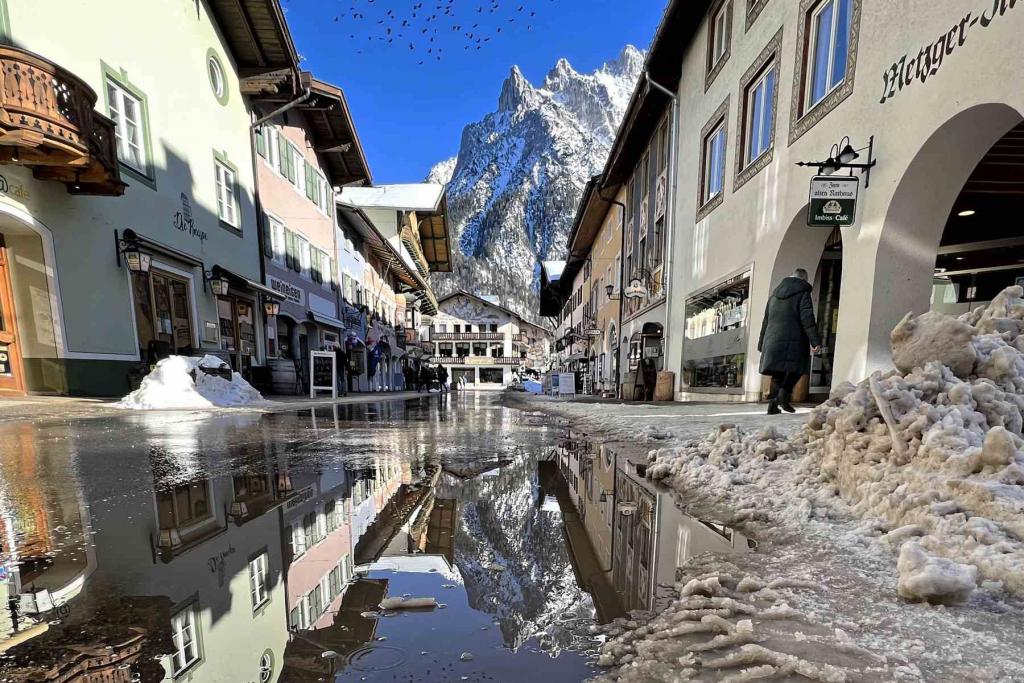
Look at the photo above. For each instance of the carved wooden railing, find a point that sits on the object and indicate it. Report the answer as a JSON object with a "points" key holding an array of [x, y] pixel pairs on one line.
{"points": [[48, 123]]}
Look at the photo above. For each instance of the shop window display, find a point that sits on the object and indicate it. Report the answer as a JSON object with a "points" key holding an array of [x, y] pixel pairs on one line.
{"points": [[714, 353]]}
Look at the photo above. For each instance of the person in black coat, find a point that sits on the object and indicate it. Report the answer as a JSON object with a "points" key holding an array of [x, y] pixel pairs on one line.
{"points": [[789, 335]]}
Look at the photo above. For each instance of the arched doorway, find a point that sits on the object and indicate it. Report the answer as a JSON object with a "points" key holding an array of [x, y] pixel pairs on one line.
{"points": [[915, 232]]}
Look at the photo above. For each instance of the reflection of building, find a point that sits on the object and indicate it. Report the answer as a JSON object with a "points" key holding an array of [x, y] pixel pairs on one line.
{"points": [[481, 342], [638, 534]]}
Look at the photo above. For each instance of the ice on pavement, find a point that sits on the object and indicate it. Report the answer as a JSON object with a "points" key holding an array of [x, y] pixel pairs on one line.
{"points": [[922, 463], [170, 386]]}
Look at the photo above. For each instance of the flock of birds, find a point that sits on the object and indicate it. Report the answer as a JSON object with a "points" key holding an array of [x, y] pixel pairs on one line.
{"points": [[423, 29]]}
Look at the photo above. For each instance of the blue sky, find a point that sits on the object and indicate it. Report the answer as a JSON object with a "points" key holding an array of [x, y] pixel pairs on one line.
{"points": [[410, 115]]}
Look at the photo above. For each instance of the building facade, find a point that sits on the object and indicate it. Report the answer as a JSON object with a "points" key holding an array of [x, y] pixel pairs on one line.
{"points": [[299, 164], [793, 81], [480, 343], [152, 155]]}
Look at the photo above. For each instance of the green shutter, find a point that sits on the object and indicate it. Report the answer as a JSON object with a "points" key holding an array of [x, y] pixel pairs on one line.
{"points": [[333, 275], [268, 243], [309, 179], [290, 252], [261, 142], [282, 154]]}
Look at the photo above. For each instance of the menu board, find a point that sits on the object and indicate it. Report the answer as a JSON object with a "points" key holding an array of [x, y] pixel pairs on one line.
{"points": [[323, 376]]}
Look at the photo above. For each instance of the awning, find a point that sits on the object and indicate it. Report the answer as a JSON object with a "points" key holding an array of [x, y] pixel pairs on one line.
{"points": [[251, 284], [326, 320], [577, 356]]}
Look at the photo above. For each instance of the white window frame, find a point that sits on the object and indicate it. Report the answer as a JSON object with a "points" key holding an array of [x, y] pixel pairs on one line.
{"points": [[300, 168], [274, 148], [278, 241], [719, 35], [117, 96], [258, 592], [767, 114], [184, 624], [709, 157], [811, 66], [305, 257], [217, 78], [227, 194], [299, 547]]}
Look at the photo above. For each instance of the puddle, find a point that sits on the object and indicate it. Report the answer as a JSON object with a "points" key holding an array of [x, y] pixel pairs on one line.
{"points": [[232, 548]]}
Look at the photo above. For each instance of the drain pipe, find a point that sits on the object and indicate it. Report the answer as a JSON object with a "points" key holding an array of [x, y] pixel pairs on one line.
{"points": [[306, 94], [670, 222]]}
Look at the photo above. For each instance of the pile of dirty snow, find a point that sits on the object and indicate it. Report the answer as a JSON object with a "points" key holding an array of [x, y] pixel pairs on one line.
{"points": [[170, 386], [929, 455]]}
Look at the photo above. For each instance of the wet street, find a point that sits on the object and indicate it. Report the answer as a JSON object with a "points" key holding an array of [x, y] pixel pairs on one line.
{"points": [[238, 547]]}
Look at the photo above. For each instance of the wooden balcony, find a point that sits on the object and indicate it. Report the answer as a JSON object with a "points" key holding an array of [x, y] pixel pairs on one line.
{"points": [[475, 360], [48, 123]]}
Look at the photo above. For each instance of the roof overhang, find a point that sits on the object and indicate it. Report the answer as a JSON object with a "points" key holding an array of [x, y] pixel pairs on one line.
{"points": [[334, 135], [258, 37], [387, 254], [647, 105]]}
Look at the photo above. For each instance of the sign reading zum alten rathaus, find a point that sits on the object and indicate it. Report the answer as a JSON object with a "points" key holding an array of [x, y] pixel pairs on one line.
{"points": [[833, 201]]}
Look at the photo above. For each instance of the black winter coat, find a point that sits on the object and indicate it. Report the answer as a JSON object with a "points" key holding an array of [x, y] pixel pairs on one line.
{"points": [[788, 330]]}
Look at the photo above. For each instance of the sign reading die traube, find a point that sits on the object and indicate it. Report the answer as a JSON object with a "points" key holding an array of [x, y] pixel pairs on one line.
{"points": [[833, 201]]}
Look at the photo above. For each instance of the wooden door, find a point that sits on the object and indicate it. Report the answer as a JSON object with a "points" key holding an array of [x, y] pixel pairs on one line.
{"points": [[11, 380]]}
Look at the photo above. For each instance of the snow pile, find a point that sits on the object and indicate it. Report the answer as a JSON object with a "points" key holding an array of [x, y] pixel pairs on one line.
{"points": [[170, 386], [930, 454], [727, 624]]}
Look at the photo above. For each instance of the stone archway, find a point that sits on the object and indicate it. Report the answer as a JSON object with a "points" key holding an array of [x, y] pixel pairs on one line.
{"points": [[904, 260]]}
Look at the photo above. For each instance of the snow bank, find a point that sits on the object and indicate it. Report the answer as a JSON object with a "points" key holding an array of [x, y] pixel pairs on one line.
{"points": [[929, 455], [170, 386]]}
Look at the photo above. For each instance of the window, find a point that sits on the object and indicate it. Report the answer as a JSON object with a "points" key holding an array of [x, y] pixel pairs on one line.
{"points": [[183, 634], [760, 113], [227, 194], [277, 241], [829, 48], [297, 162], [299, 544], [217, 81], [714, 163], [305, 258], [129, 118], [330, 514], [258, 580], [273, 147], [719, 35], [183, 505]]}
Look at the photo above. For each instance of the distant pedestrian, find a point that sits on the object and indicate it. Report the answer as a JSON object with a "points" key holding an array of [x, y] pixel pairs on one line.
{"points": [[649, 372], [341, 363], [789, 335], [442, 378], [424, 379]]}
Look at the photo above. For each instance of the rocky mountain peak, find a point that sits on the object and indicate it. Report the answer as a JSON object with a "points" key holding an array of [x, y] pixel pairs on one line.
{"points": [[516, 92]]}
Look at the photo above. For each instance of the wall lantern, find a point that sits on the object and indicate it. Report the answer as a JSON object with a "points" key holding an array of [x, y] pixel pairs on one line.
{"points": [[610, 291], [843, 155], [271, 306], [219, 284], [137, 260]]}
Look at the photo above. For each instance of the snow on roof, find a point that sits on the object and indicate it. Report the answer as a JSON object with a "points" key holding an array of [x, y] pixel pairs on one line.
{"points": [[553, 269], [424, 197]]}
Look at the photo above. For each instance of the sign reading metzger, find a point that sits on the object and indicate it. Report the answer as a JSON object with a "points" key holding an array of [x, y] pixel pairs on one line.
{"points": [[833, 201]]}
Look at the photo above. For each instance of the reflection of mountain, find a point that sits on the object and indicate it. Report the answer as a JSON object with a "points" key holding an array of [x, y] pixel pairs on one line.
{"points": [[512, 556]]}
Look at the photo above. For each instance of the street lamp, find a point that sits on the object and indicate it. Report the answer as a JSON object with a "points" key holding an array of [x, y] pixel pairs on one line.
{"points": [[137, 260], [610, 291], [843, 155], [219, 284]]}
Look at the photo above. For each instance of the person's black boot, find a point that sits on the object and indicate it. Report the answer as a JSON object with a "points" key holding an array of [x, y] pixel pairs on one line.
{"points": [[773, 407], [784, 401]]}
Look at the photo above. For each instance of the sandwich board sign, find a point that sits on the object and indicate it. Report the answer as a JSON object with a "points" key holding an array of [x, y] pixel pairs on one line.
{"points": [[323, 374], [833, 201]]}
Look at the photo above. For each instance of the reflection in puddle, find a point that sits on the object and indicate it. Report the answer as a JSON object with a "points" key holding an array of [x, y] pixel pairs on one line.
{"points": [[242, 548], [633, 536]]}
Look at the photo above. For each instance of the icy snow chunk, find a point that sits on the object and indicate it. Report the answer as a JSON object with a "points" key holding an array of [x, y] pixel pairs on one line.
{"points": [[933, 579], [933, 336], [407, 603], [170, 386]]}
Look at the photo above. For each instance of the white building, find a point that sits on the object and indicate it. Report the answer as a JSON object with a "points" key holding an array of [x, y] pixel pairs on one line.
{"points": [[482, 343]]}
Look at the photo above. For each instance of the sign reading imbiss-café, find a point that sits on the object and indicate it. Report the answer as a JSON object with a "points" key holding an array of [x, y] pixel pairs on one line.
{"points": [[833, 201]]}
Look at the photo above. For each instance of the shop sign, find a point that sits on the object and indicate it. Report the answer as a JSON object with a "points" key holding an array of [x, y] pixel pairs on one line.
{"points": [[18, 191], [833, 201], [5, 360], [324, 374], [478, 360], [183, 221], [303, 495], [294, 294], [928, 59]]}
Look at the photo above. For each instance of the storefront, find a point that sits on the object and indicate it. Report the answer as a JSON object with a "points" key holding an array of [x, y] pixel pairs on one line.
{"points": [[716, 336]]}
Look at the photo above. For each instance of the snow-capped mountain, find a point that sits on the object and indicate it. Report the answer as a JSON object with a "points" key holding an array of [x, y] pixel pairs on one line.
{"points": [[520, 171]]}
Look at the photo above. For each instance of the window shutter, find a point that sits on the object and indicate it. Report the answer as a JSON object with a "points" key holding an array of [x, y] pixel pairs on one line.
{"points": [[334, 278], [314, 264], [291, 259], [268, 239], [283, 154], [261, 142], [310, 187]]}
